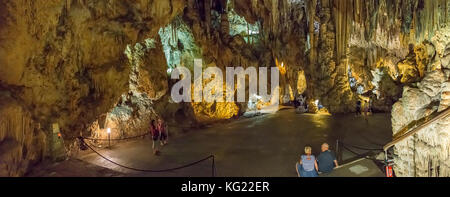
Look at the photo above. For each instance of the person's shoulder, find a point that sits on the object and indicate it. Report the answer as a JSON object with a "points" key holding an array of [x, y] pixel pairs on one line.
{"points": [[320, 155]]}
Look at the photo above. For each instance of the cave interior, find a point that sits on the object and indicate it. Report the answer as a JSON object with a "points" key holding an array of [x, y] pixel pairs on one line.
{"points": [[77, 72]]}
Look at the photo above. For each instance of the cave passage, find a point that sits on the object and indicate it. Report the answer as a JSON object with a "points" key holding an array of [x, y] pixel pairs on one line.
{"points": [[262, 146], [73, 70]]}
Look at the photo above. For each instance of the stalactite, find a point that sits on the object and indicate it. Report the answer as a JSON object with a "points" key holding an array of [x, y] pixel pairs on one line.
{"points": [[343, 22], [17, 133], [207, 6]]}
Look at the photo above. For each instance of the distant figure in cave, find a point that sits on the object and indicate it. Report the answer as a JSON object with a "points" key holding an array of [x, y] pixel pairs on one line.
{"points": [[358, 108], [327, 160], [307, 167], [155, 136], [366, 109], [300, 105], [296, 103], [162, 127]]}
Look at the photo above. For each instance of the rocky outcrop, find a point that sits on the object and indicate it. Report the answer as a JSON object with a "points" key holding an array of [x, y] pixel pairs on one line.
{"points": [[63, 62], [22, 141], [427, 153]]}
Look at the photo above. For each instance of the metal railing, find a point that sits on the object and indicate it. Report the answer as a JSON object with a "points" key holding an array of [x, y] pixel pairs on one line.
{"points": [[424, 122]]}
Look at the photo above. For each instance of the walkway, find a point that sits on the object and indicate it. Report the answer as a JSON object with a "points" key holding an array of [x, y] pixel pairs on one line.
{"points": [[264, 146]]}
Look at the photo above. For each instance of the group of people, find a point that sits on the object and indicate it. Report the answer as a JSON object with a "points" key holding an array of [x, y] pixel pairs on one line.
{"points": [[300, 104], [363, 108], [159, 131], [310, 166]]}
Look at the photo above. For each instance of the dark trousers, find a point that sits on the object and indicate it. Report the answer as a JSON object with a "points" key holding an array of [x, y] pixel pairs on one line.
{"points": [[163, 136]]}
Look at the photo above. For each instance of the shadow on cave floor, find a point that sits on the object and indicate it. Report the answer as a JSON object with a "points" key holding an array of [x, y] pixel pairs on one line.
{"points": [[262, 146], [71, 168]]}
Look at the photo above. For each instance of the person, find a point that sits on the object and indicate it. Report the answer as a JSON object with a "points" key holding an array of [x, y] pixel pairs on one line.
{"points": [[163, 132], [307, 167], [366, 111], [358, 108], [371, 106], [155, 136], [367, 108], [326, 160]]}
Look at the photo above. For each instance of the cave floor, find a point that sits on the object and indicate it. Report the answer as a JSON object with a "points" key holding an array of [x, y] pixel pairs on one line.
{"points": [[71, 168], [263, 146]]}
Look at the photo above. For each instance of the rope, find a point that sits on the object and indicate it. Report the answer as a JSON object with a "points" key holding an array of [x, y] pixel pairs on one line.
{"points": [[359, 155], [362, 148], [164, 170], [122, 139]]}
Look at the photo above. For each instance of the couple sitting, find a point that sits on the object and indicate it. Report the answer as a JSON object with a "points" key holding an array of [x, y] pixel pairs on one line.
{"points": [[309, 166]]}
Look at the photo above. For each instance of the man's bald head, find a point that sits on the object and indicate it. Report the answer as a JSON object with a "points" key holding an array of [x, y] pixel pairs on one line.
{"points": [[325, 147]]}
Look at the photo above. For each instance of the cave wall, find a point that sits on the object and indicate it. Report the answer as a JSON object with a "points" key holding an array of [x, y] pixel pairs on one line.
{"points": [[63, 61], [332, 37], [427, 153]]}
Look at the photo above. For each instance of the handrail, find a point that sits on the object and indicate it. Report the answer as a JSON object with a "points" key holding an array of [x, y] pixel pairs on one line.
{"points": [[398, 139]]}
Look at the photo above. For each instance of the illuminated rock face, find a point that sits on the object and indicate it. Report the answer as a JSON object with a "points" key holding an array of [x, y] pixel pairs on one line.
{"points": [[328, 37], [210, 112], [429, 148]]}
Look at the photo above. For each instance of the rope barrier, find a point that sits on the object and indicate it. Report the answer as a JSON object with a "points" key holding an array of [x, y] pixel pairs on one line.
{"points": [[122, 139], [359, 155], [213, 166], [362, 148]]}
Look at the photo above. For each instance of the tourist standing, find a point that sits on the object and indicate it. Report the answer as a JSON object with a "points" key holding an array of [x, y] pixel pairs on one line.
{"points": [[358, 108], [154, 131], [366, 108], [162, 127]]}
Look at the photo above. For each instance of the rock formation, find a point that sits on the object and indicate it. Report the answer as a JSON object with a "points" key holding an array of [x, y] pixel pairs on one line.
{"points": [[63, 61], [427, 153]]}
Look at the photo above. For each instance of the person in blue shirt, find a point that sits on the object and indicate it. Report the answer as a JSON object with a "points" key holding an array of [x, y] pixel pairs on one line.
{"points": [[307, 167], [327, 160]]}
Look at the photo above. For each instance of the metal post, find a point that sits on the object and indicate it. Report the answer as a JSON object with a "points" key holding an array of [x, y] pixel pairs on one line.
{"points": [[213, 167], [386, 163], [385, 155], [337, 151], [109, 137]]}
